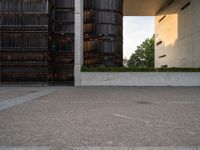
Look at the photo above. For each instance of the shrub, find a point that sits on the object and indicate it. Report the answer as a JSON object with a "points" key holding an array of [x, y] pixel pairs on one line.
{"points": [[123, 69]]}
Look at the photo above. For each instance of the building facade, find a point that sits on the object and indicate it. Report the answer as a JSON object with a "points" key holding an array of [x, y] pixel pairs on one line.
{"points": [[23, 41], [61, 42], [37, 39], [47, 41], [177, 32], [103, 23]]}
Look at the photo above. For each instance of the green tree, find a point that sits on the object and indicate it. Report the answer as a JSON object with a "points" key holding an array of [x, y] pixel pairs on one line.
{"points": [[143, 57]]}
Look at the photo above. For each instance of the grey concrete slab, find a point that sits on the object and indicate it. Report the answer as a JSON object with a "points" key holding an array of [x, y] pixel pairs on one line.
{"points": [[101, 148], [187, 79], [106, 117], [78, 44], [4, 95], [8, 103]]}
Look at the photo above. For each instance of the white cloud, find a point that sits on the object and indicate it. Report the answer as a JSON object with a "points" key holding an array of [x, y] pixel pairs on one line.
{"points": [[136, 30]]}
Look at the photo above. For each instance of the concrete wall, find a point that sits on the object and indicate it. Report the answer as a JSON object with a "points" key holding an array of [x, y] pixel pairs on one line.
{"points": [[140, 79], [78, 54], [142, 7], [179, 32]]}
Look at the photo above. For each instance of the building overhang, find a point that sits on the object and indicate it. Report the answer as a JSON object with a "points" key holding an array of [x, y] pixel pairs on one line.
{"points": [[142, 7]]}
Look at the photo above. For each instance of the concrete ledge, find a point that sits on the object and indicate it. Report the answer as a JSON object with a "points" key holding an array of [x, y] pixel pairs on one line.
{"points": [[140, 79]]}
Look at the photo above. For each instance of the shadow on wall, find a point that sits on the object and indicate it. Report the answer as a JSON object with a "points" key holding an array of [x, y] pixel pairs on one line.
{"points": [[178, 34]]}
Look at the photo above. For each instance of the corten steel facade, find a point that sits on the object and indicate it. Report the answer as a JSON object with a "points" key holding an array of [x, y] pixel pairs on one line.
{"points": [[37, 39], [23, 41], [103, 23], [61, 29]]}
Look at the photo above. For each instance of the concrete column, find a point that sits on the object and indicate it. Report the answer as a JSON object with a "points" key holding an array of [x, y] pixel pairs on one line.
{"points": [[78, 52]]}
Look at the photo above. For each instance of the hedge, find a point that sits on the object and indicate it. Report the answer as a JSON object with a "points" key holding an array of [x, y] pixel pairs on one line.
{"points": [[123, 69]]}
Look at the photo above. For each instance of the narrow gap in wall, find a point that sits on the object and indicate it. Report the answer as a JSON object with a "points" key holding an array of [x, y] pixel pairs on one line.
{"points": [[158, 43], [185, 6], [164, 66], [162, 56], [162, 18]]}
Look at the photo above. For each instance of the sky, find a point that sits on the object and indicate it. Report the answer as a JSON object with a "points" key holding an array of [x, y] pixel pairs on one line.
{"points": [[136, 30]]}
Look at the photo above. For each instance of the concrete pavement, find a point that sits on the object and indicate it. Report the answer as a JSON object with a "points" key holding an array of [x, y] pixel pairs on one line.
{"points": [[157, 117]]}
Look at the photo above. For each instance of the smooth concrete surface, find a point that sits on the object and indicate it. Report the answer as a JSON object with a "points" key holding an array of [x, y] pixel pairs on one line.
{"points": [[78, 41], [153, 118], [4, 94], [102, 148], [179, 32], [140, 79], [12, 102]]}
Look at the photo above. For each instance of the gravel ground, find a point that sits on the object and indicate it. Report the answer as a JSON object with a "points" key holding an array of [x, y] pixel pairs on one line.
{"points": [[104, 117]]}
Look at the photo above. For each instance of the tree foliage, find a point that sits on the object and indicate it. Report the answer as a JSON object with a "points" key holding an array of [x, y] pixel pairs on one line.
{"points": [[143, 57]]}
